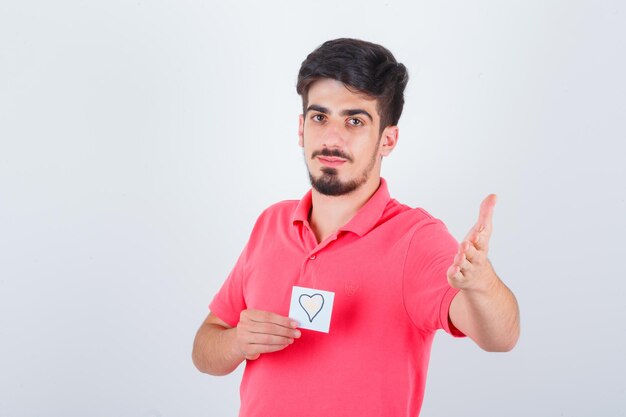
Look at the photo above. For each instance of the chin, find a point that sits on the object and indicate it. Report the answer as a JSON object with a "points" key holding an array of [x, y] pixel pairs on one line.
{"points": [[329, 183]]}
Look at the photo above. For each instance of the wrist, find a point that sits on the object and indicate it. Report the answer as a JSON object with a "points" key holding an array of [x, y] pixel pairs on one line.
{"points": [[234, 352]]}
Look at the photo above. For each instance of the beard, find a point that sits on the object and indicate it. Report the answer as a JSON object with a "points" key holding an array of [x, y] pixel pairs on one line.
{"points": [[328, 183]]}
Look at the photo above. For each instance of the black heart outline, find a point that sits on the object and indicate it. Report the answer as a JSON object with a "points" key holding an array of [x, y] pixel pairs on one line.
{"points": [[305, 310]]}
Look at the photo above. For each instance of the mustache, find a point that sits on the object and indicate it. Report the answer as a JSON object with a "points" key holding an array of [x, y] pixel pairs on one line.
{"points": [[331, 152]]}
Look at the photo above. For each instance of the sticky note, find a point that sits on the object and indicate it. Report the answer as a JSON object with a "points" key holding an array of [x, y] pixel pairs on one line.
{"points": [[311, 308]]}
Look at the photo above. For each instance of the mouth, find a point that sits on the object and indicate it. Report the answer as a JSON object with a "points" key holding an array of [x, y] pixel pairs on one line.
{"points": [[331, 161]]}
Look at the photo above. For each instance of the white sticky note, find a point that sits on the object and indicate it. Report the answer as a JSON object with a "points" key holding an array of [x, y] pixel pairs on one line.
{"points": [[311, 308]]}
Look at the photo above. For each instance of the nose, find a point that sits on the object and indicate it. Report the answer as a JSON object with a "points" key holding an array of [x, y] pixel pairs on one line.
{"points": [[333, 136]]}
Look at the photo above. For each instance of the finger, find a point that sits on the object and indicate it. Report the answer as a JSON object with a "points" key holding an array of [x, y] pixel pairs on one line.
{"points": [[485, 214], [455, 276], [458, 259], [266, 339], [253, 351], [268, 348], [481, 230], [469, 251], [473, 232], [478, 233], [251, 345], [270, 329], [473, 254], [465, 266], [260, 316], [252, 357], [481, 241], [452, 271]]}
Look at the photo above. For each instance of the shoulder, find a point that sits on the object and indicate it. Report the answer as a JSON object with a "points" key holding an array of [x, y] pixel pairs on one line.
{"points": [[414, 218], [274, 218], [281, 211], [413, 228], [429, 235]]}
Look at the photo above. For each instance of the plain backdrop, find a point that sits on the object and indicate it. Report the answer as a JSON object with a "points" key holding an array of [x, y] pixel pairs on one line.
{"points": [[139, 140]]}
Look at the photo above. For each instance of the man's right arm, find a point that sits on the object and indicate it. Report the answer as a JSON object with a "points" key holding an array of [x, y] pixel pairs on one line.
{"points": [[219, 348]]}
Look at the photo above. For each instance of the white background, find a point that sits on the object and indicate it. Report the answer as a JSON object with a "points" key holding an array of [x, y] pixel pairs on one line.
{"points": [[140, 139]]}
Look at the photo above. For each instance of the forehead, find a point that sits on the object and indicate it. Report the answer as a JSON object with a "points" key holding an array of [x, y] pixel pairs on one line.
{"points": [[335, 96]]}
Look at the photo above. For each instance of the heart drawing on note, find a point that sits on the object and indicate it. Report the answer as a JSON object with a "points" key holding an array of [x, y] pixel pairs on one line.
{"points": [[311, 304]]}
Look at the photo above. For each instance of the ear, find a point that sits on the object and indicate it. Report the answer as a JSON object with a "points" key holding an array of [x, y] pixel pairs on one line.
{"points": [[301, 131], [389, 140]]}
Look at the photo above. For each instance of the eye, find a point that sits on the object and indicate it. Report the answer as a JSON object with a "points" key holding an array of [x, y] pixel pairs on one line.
{"points": [[318, 117], [355, 122]]}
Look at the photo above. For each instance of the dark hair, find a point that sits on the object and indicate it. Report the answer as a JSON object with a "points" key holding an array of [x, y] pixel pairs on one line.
{"points": [[362, 66]]}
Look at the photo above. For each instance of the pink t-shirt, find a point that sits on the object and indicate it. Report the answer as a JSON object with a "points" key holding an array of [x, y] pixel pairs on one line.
{"points": [[387, 268]]}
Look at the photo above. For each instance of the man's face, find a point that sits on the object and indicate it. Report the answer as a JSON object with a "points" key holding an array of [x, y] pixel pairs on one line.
{"points": [[340, 135]]}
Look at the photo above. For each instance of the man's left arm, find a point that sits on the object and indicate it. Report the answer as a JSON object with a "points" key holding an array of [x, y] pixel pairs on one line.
{"points": [[484, 309]]}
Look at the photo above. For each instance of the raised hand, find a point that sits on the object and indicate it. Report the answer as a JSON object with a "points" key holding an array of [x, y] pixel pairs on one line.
{"points": [[471, 268], [261, 332]]}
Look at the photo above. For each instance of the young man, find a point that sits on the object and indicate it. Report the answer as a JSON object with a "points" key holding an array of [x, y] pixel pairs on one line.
{"points": [[391, 275]]}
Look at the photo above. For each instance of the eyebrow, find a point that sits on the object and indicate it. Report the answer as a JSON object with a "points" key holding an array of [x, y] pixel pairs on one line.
{"points": [[347, 112]]}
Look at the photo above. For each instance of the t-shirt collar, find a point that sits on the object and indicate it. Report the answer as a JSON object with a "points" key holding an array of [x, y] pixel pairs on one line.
{"points": [[362, 222]]}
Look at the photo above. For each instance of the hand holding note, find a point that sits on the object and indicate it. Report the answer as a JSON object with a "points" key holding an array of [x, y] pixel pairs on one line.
{"points": [[261, 332]]}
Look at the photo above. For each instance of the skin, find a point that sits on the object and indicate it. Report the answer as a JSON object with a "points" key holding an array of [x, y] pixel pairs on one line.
{"points": [[355, 135], [485, 309], [348, 123]]}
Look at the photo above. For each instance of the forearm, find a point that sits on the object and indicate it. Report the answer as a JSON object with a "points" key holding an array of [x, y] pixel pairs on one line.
{"points": [[489, 316], [214, 350]]}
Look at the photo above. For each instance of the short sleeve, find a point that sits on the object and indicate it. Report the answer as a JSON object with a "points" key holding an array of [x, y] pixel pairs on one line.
{"points": [[229, 302], [426, 292]]}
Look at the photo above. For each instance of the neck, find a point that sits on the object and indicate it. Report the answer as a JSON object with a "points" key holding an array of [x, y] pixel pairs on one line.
{"points": [[329, 213]]}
